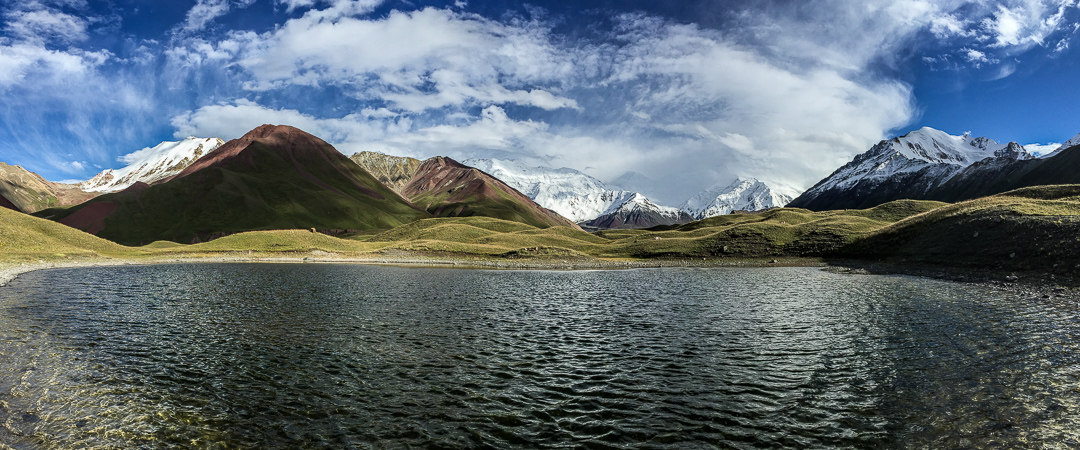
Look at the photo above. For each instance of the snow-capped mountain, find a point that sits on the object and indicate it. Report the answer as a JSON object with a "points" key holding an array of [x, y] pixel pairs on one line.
{"points": [[638, 211], [568, 192], [154, 164], [746, 194], [909, 166]]}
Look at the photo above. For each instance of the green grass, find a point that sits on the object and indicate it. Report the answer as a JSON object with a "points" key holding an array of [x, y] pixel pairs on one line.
{"points": [[1029, 229], [291, 241], [26, 238]]}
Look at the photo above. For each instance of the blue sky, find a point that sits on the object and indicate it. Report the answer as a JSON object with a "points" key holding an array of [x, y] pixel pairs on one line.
{"points": [[692, 93]]}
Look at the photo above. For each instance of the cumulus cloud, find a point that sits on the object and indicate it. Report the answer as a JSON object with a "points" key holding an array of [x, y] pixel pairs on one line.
{"points": [[24, 62], [1026, 24], [459, 59]]}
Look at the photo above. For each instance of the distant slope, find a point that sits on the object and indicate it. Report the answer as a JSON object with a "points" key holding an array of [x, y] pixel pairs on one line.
{"points": [[392, 171], [32, 193], [777, 232], [274, 177], [151, 165], [447, 188]]}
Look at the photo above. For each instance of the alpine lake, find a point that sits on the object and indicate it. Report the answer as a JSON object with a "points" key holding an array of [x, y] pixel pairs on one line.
{"points": [[360, 356]]}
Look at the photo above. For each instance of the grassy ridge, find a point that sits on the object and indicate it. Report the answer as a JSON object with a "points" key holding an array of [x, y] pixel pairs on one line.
{"points": [[24, 238], [1031, 229]]}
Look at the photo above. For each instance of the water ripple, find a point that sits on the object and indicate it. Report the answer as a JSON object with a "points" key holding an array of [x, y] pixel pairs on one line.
{"points": [[338, 356]]}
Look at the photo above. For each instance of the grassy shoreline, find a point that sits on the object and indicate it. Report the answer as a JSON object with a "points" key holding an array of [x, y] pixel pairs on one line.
{"points": [[10, 270]]}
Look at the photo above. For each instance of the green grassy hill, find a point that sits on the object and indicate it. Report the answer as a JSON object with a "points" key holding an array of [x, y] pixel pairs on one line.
{"points": [[777, 232], [28, 238], [1029, 229]]}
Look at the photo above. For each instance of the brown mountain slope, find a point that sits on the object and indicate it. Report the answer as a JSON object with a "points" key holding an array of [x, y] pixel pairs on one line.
{"points": [[447, 188], [274, 177], [31, 193], [393, 172]]}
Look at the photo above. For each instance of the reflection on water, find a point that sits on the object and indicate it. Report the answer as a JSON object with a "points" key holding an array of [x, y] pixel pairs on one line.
{"points": [[339, 356]]}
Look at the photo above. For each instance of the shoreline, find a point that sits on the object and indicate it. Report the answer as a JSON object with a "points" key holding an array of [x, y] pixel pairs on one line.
{"points": [[1036, 284], [11, 271]]}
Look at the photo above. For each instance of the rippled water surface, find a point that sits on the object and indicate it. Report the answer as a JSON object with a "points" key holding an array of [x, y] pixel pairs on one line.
{"points": [[341, 356]]}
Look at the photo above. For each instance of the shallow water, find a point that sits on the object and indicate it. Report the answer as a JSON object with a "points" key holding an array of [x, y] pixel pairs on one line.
{"points": [[349, 356]]}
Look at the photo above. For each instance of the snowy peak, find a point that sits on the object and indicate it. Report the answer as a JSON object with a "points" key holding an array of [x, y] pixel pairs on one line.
{"points": [[935, 146], [744, 194], [916, 151], [1071, 142], [568, 192], [154, 164], [637, 211], [639, 202]]}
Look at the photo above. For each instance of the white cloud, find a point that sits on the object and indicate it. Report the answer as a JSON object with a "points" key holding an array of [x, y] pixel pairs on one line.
{"points": [[35, 64], [458, 60], [1026, 23], [292, 5], [1041, 149], [74, 166], [949, 26], [206, 11], [45, 25]]}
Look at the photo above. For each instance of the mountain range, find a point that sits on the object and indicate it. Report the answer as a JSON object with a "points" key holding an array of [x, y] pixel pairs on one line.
{"points": [[392, 171], [591, 203], [572, 194], [928, 164]]}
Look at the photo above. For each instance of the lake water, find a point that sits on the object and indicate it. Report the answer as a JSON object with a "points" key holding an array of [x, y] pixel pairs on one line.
{"points": [[350, 356]]}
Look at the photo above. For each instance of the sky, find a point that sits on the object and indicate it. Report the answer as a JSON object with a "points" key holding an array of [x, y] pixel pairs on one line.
{"points": [[690, 93]]}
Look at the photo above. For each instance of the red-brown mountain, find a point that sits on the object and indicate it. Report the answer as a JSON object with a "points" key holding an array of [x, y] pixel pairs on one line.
{"points": [[274, 177], [446, 188]]}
